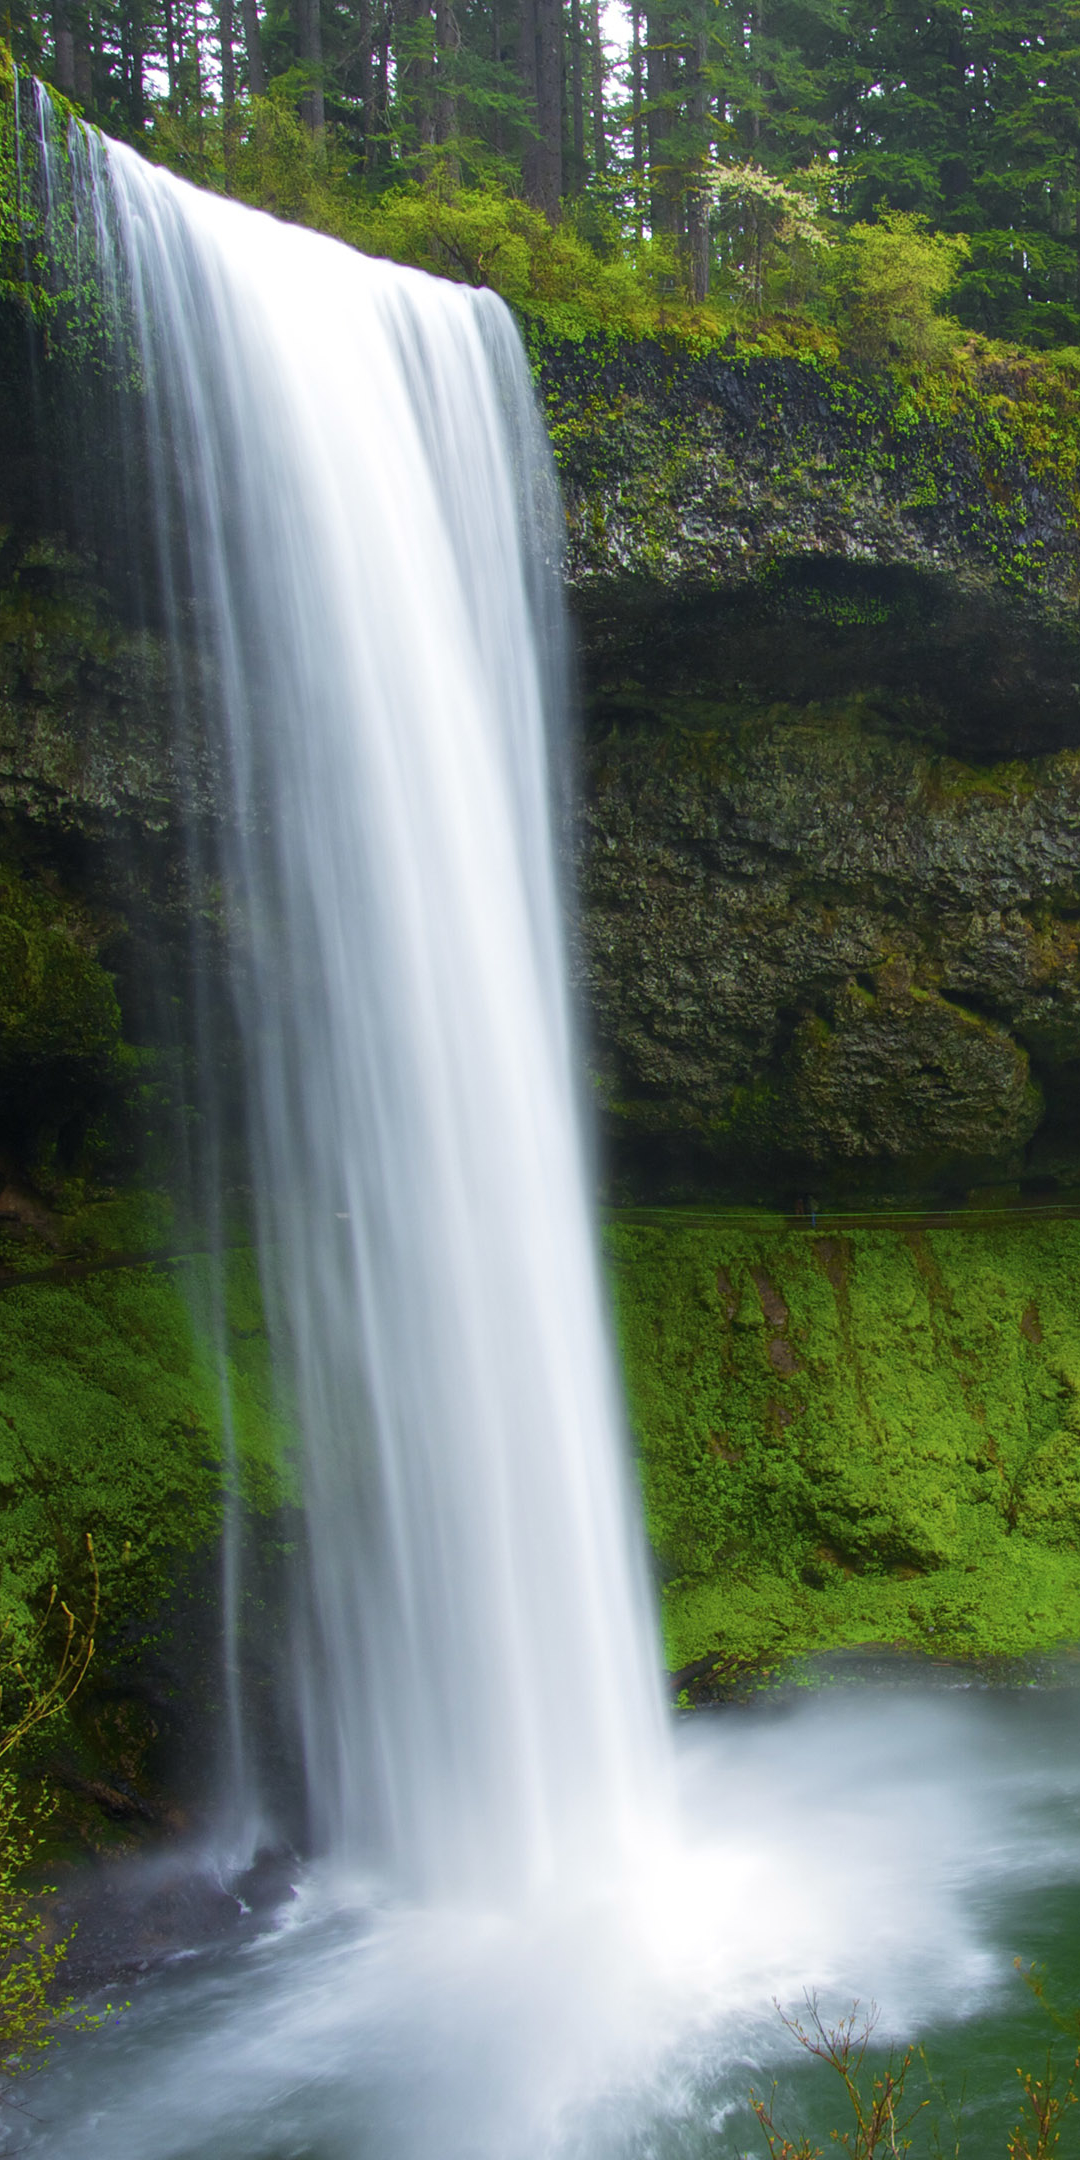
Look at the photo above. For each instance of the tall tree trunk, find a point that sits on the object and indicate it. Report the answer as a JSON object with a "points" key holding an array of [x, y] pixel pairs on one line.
{"points": [[415, 70], [138, 66], [697, 242], [84, 67], [124, 32], [549, 105], [382, 77], [226, 36], [757, 240], [697, 196], [637, 101], [256, 65], [576, 176], [196, 55], [170, 48], [663, 192], [497, 54], [228, 58], [540, 61], [366, 33], [530, 149], [596, 54], [447, 43], [308, 20], [63, 49]]}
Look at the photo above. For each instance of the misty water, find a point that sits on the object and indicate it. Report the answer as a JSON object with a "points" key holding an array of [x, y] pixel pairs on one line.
{"points": [[902, 1844], [537, 1921]]}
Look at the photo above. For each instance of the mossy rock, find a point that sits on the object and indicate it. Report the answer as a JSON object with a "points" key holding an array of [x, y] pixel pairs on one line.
{"points": [[135, 1402], [58, 1005], [890, 1454], [113, 1409], [63, 1057], [903, 1074], [816, 950]]}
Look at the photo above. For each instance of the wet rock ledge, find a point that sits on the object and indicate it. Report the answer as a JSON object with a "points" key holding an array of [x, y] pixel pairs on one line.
{"points": [[827, 845]]}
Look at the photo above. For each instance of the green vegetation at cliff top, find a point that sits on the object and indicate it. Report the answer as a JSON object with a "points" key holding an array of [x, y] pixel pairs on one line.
{"points": [[870, 293], [859, 1435]]}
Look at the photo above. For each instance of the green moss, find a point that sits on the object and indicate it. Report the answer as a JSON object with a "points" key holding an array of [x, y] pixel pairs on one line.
{"points": [[64, 1064], [981, 459], [867, 1434], [132, 1221], [57, 1003], [111, 1421]]}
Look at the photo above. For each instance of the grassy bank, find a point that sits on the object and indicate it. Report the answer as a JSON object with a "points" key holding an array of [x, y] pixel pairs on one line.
{"points": [[854, 1434]]}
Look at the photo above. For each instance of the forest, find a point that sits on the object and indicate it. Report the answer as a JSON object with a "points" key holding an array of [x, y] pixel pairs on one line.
{"points": [[690, 154]]}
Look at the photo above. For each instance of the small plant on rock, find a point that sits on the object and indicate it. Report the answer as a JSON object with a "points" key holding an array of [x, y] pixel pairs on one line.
{"points": [[30, 1958]]}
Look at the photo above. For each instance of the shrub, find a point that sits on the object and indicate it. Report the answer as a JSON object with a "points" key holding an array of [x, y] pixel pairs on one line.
{"points": [[886, 282], [32, 1690]]}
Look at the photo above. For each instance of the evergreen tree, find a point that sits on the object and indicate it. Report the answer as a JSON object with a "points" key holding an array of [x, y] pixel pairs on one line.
{"points": [[965, 113]]}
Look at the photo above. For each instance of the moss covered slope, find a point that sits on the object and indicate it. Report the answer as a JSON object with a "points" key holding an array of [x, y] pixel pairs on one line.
{"points": [[130, 1398], [111, 1420], [855, 1434]]}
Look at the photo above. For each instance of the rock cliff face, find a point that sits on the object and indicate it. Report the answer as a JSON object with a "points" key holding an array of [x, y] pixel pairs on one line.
{"points": [[828, 845], [830, 796]]}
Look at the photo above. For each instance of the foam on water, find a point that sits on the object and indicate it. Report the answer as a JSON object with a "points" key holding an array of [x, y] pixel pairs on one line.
{"points": [[855, 1844]]}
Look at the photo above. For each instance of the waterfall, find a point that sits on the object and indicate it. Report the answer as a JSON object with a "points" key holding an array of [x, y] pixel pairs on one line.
{"points": [[357, 509], [522, 1946]]}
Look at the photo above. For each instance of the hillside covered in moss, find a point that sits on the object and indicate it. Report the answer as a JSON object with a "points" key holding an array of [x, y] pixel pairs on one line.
{"points": [[854, 1434]]}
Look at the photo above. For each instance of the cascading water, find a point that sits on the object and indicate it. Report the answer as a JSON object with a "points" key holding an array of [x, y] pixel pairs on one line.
{"points": [[520, 1946], [369, 532]]}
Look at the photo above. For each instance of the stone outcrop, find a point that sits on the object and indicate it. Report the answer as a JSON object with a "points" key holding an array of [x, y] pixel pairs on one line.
{"points": [[828, 851], [830, 778]]}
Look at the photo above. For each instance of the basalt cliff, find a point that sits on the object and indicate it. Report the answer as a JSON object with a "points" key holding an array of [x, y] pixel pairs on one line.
{"points": [[830, 790]]}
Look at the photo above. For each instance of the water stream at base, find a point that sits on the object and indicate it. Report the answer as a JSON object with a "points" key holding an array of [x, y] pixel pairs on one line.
{"points": [[895, 1845], [532, 1932]]}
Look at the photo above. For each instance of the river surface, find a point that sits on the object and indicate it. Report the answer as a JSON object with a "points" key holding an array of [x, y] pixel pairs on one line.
{"points": [[898, 1843]]}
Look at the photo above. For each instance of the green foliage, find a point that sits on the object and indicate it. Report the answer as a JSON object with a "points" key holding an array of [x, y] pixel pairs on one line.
{"points": [[58, 1006], [776, 239], [883, 2100], [65, 1068], [887, 281], [69, 1638], [879, 2108], [962, 116], [31, 1956], [1048, 2098], [476, 235], [485, 238], [871, 1435], [45, 270], [111, 1421]]}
